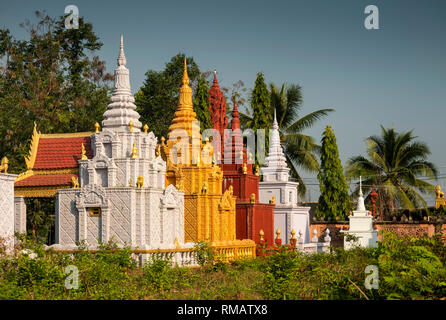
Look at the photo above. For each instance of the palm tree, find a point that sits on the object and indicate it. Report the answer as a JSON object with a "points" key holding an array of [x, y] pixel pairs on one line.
{"points": [[395, 164], [300, 150]]}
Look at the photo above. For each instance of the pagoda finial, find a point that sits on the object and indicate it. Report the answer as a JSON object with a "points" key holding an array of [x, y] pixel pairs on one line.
{"points": [[361, 205], [185, 80], [121, 58], [275, 124]]}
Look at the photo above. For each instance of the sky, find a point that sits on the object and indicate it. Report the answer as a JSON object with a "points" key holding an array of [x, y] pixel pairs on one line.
{"points": [[391, 76]]}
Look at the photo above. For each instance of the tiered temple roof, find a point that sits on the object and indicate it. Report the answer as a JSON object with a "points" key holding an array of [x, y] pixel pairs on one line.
{"points": [[52, 163]]}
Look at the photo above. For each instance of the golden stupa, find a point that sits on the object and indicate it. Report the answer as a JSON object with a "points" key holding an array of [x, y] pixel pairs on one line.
{"points": [[209, 214]]}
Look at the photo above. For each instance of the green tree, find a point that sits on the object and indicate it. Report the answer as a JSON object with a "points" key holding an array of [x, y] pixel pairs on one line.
{"points": [[261, 109], [300, 150], [157, 99], [395, 163], [49, 79], [334, 200], [201, 104]]}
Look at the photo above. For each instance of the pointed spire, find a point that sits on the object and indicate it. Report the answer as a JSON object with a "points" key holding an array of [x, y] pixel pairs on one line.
{"points": [[121, 58], [122, 109], [361, 205], [185, 79], [275, 161], [275, 124], [217, 109]]}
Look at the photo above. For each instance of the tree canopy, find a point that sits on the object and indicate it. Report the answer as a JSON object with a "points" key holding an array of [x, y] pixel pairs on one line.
{"points": [[395, 164], [49, 79]]}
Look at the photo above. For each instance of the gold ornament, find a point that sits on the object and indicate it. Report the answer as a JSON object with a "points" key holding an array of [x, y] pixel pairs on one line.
{"points": [[96, 127], [245, 168], [146, 128], [253, 198], [74, 182], [134, 154], [257, 170], [4, 165], [131, 126], [84, 153], [278, 233], [273, 200], [140, 182]]}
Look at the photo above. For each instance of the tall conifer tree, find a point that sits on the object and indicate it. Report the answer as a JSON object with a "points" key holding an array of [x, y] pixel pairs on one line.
{"points": [[201, 104], [261, 108], [334, 200]]}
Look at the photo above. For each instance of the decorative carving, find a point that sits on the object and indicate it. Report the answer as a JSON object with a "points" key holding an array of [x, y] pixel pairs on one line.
{"points": [[204, 188], [83, 153], [440, 200], [140, 182], [134, 154], [273, 200], [74, 182], [4, 165]]}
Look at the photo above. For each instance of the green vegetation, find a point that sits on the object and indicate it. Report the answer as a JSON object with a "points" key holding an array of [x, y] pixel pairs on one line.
{"points": [[201, 104], [395, 164], [409, 268], [334, 200]]}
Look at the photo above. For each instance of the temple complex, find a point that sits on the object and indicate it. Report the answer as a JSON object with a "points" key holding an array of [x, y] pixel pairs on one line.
{"points": [[120, 192], [238, 174], [288, 216], [209, 213]]}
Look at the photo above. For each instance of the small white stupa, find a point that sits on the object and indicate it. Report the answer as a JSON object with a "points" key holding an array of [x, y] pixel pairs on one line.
{"points": [[361, 226]]}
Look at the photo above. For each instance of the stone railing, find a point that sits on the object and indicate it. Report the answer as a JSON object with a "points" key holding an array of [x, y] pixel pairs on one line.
{"points": [[296, 244], [232, 250], [226, 251]]}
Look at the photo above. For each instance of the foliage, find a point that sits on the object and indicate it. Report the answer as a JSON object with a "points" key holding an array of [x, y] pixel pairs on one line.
{"points": [[395, 164], [261, 109], [201, 104], [205, 253], [49, 79], [334, 200], [157, 99], [300, 150], [409, 268]]}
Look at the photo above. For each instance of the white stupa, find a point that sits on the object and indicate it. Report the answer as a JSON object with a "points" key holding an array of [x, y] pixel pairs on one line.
{"points": [[288, 215], [361, 226]]}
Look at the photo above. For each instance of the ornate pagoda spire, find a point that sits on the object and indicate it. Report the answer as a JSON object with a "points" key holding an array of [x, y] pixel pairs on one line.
{"points": [[217, 108], [276, 157], [276, 167], [122, 110], [185, 119]]}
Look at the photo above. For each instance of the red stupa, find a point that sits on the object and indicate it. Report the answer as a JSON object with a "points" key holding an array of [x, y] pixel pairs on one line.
{"points": [[237, 166]]}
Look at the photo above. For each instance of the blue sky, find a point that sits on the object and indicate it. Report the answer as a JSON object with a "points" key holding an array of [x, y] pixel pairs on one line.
{"points": [[391, 76]]}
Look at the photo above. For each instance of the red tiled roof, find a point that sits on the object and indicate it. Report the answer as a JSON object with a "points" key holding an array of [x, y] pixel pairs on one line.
{"points": [[57, 153], [46, 180]]}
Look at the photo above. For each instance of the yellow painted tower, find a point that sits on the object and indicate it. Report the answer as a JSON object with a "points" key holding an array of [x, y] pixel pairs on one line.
{"points": [[209, 214]]}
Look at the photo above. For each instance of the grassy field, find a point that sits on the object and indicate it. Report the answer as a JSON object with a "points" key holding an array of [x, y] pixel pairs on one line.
{"points": [[408, 269]]}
